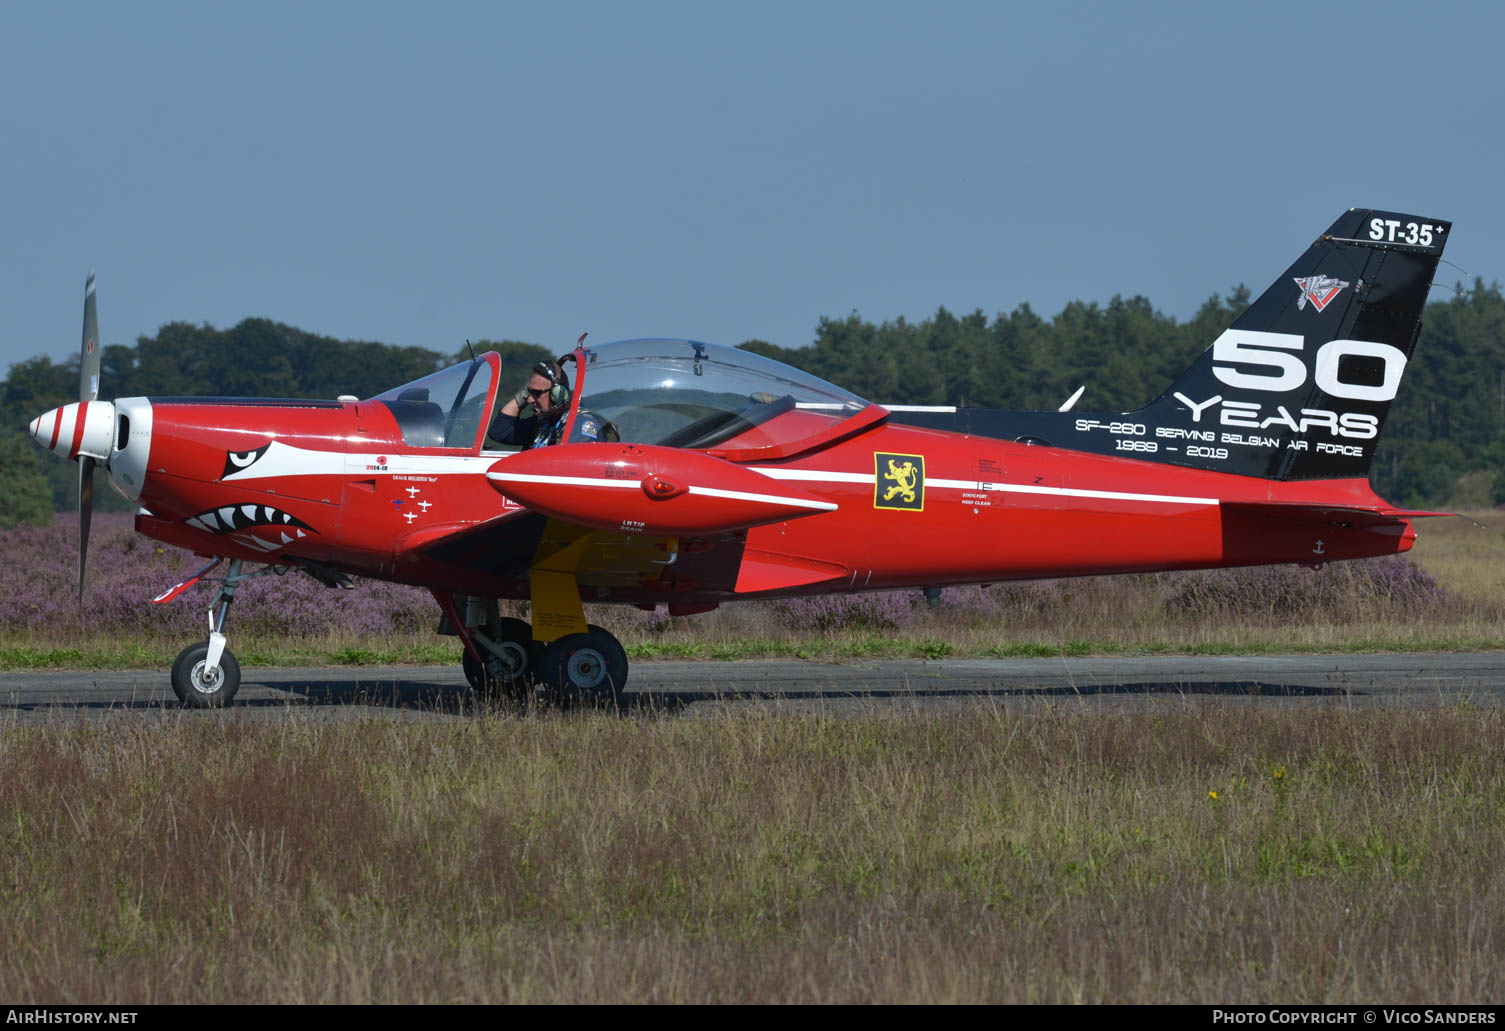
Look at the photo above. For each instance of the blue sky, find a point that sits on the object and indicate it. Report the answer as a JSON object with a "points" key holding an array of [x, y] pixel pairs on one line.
{"points": [[419, 174]]}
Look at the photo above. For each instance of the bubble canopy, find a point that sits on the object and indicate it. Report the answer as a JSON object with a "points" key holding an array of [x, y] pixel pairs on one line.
{"points": [[684, 393], [443, 409]]}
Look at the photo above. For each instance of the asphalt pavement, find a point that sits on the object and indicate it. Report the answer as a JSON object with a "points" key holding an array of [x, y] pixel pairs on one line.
{"points": [[1410, 680]]}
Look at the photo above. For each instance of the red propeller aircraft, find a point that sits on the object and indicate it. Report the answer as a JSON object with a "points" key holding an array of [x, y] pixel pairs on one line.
{"points": [[718, 475]]}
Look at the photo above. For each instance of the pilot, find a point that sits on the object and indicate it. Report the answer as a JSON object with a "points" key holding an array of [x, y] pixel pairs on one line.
{"points": [[536, 414]]}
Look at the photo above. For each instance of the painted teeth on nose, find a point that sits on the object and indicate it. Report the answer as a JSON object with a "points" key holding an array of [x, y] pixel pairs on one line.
{"points": [[244, 517]]}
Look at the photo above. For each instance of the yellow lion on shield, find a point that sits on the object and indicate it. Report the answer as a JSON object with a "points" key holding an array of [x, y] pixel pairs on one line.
{"points": [[904, 477]]}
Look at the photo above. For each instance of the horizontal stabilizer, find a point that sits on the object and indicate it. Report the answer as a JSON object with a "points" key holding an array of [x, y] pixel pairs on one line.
{"points": [[1317, 512]]}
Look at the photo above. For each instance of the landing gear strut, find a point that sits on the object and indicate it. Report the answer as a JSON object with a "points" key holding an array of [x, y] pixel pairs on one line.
{"points": [[509, 663], [206, 674], [500, 658], [502, 661]]}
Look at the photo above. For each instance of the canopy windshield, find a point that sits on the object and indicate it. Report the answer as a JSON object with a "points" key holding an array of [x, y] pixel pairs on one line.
{"points": [[681, 393], [444, 409]]}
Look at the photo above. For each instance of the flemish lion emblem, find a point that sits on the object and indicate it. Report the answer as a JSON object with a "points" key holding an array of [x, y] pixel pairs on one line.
{"points": [[899, 481], [904, 477]]}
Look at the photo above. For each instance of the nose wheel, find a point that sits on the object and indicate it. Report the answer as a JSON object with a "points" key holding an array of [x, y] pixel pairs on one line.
{"points": [[206, 675], [200, 685]]}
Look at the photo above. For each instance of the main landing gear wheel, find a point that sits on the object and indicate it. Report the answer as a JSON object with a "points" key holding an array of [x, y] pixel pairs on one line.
{"points": [[508, 675], [589, 667], [201, 688]]}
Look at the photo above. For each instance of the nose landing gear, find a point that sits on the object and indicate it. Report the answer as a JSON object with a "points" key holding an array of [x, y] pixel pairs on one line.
{"points": [[200, 684], [206, 674]]}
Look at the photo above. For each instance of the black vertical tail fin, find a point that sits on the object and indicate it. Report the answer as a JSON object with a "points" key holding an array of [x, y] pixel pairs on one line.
{"points": [[1299, 386], [1296, 389]]}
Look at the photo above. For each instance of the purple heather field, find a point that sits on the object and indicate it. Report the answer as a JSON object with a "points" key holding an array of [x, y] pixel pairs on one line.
{"points": [[1394, 584], [127, 570]]}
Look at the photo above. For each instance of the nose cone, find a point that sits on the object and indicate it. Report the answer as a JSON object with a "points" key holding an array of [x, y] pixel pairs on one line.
{"points": [[82, 428]]}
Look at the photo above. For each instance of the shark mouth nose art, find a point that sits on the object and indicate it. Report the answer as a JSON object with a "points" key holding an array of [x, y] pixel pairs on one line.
{"points": [[267, 522]]}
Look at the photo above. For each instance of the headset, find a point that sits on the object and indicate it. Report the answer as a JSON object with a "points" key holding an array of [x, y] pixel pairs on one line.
{"points": [[559, 393]]}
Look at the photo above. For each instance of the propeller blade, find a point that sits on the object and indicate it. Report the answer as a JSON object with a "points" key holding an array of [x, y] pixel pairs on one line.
{"points": [[88, 390], [85, 513], [88, 364]]}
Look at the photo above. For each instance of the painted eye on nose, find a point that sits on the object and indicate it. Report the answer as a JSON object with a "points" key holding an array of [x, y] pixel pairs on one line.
{"points": [[239, 461]]}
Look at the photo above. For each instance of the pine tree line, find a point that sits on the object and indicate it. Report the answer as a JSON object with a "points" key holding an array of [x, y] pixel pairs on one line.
{"points": [[1444, 441]]}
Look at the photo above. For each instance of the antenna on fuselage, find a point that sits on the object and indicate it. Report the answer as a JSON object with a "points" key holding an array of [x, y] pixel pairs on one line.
{"points": [[1073, 399], [472, 349]]}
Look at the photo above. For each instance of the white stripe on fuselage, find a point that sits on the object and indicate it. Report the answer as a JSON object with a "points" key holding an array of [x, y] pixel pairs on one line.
{"points": [[772, 499], [815, 475], [563, 481], [285, 460], [713, 492], [1073, 492]]}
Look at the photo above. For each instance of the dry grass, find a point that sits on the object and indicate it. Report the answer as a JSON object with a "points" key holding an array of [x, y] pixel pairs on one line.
{"points": [[1057, 856], [1192, 855], [1468, 554]]}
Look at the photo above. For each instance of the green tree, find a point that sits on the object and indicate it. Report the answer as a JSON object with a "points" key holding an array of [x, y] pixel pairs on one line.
{"points": [[517, 360], [1447, 421], [27, 497]]}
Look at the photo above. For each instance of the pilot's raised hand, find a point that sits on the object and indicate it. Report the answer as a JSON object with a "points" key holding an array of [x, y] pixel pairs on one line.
{"points": [[521, 403]]}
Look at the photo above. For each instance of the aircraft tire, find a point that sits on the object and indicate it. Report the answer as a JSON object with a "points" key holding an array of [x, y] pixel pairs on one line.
{"points": [[198, 691], [589, 668], [520, 660], [516, 636]]}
